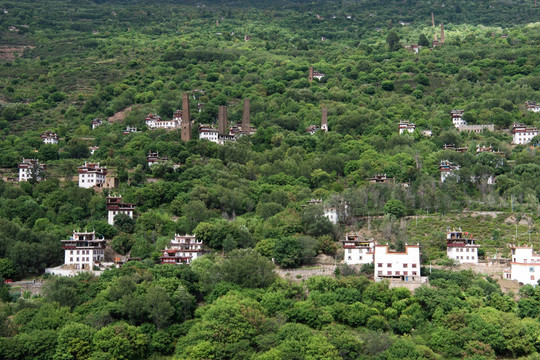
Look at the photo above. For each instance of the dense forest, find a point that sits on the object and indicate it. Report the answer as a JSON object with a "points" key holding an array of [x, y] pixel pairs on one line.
{"points": [[64, 63]]}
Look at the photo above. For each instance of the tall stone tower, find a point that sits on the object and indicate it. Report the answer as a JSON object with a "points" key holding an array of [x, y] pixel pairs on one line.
{"points": [[442, 33], [222, 120], [432, 20], [310, 76], [246, 116], [324, 118], [186, 120]]}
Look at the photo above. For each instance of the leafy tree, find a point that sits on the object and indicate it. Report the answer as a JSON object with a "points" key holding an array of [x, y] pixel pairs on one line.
{"points": [[392, 40], [248, 268], [74, 342], [394, 207], [121, 341], [423, 41]]}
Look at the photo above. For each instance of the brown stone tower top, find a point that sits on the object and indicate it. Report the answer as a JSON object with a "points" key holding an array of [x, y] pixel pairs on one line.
{"points": [[310, 76], [246, 116], [324, 118], [222, 120], [186, 120], [432, 20]]}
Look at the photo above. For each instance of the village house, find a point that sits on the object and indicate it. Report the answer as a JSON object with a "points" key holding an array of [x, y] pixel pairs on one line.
{"points": [[96, 123], [154, 121], [532, 106], [50, 138], [153, 158], [446, 169], [312, 129], [524, 265], [115, 206], [461, 246], [183, 249], [454, 148], [238, 130], [357, 249], [488, 149], [523, 134], [83, 251], [31, 169], [390, 265], [427, 133], [93, 149], [207, 132], [406, 126], [91, 174], [381, 179], [129, 130], [329, 212], [457, 118]]}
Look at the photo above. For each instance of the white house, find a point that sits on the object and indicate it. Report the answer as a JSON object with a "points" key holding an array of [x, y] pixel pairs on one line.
{"points": [[406, 126], [461, 246], [31, 168], [524, 265], [457, 118], [82, 250], [129, 130], [183, 249], [153, 121], [357, 249], [115, 206], [532, 106], [397, 265], [523, 134], [446, 169], [96, 123], [91, 174], [153, 158], [49, 137]]}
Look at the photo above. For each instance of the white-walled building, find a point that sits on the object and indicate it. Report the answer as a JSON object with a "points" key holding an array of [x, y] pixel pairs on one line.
{"points": [[523, 134], [129, 130], [49, 137], [154, 121], [331, 214], [532, 106], [206, 132], [397, 265], [461, 246], [82, 250], [31, 168], [91, 174], [357, 249], [96, 123], [115, 206], [446, 169], [524, 265], [183, 249], [153, 158], [406, 126], [457, 118]]}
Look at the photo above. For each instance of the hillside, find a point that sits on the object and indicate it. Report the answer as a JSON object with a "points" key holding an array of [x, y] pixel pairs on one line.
{"points": [[460, 79]]}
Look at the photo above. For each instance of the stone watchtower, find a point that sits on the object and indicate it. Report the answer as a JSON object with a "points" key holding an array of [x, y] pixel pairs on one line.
{"points": [[246, 117], [324, 118], [222, 120], [186, 120]]}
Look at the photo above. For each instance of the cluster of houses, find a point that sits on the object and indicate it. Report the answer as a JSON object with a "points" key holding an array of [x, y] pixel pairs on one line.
{"points": [[461, 247], [224, 132], [388, 264]]}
